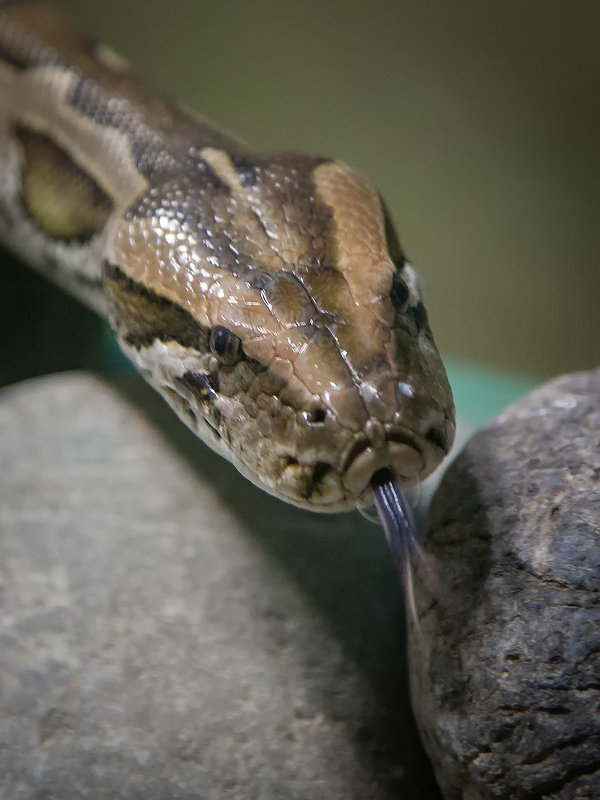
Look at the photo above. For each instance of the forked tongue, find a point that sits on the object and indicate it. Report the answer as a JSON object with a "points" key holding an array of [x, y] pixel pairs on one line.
{"points": [[399, 526]]}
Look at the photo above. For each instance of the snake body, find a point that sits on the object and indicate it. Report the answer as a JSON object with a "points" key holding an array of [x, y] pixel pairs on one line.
{"points": [[265, 296]]}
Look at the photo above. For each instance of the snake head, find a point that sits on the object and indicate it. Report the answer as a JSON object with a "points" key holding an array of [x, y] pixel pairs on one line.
{"points": [[268, 300]]}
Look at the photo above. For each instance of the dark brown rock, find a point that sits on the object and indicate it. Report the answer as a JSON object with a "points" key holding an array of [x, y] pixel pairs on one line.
{"points": [[505, 669]]}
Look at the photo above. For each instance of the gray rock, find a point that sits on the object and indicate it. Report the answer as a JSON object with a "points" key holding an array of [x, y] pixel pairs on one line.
{"points": [[167, 631], [505, 668]]}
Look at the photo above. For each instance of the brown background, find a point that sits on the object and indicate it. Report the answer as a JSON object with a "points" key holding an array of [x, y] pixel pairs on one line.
{"points": [[479, 121]]}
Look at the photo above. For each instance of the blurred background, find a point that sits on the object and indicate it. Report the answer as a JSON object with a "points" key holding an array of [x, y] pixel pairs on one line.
{"points": [[479, 122]]}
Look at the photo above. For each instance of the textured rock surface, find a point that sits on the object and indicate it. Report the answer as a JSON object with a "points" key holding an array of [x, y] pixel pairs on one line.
{"points": [[168, 631], [505, 673]]}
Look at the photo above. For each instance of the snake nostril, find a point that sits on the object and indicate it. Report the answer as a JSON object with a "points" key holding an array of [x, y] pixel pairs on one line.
{"points": [[437, 438], [316, 416]]}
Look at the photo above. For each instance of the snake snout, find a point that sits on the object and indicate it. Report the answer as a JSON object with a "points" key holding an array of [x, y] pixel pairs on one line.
{"points": [[379, 449]]}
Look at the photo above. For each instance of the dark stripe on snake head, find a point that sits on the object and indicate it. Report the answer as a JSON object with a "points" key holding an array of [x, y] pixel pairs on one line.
{"points": [[200, 390], [203, 385], [400, 294], [421, 319], [247, 169], [391, 237], [144, 316]]}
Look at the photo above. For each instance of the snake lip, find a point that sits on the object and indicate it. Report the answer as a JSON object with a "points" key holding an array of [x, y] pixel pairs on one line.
{"points": [[363, 444], [399, 451]]}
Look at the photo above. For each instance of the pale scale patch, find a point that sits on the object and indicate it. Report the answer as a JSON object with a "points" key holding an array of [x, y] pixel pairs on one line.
{"points": [[111, 59], [222, 165], [414, 282], [166, 361], [361, 253], [38, 98]]}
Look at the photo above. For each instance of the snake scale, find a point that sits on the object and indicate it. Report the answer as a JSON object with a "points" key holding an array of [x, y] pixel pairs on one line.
{"points": [[265, 296]]}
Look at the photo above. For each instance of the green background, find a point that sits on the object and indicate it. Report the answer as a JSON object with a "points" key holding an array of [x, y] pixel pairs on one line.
{"points": [[479, 121]]}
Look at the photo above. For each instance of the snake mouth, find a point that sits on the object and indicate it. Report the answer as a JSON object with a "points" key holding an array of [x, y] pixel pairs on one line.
{"points": [[397, 450], [323, 486]]}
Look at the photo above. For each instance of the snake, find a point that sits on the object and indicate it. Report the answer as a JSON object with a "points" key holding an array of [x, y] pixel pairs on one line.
{"points": [[265, 296]]}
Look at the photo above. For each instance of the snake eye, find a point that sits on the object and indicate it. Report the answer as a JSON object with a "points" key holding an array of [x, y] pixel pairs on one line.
{"points": [[400, 293], [225, 345]]}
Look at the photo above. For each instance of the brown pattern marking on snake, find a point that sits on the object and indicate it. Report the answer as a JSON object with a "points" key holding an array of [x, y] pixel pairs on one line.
{"points": [[284, 263], [35, 34], [304, 356], [202, 246], [62, 199], [18, 47], [281, 242], [269, 221]]}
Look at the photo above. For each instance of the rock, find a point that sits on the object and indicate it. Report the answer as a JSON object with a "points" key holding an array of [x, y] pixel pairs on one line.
{"points": [[168, 631], [505, 665]]}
